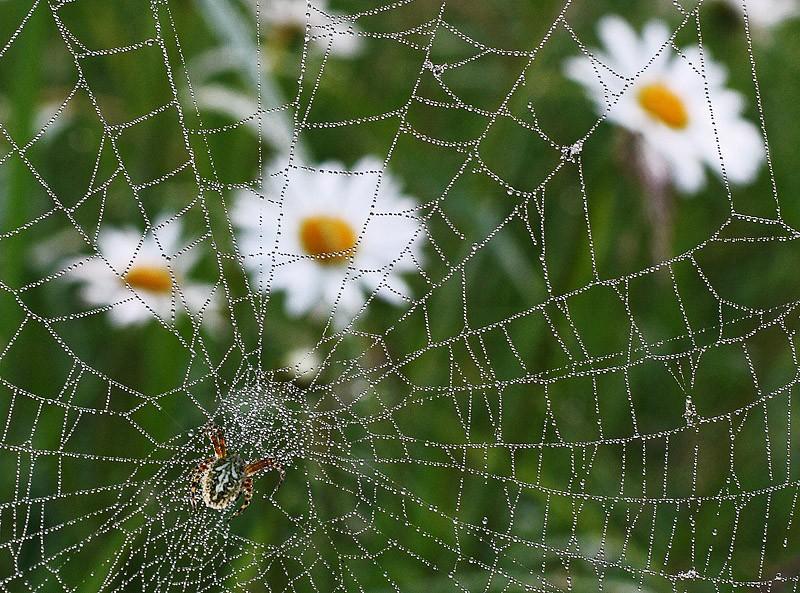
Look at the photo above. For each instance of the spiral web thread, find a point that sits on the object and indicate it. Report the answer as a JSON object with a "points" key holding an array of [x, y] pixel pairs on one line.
{"points": [[376, 498]]}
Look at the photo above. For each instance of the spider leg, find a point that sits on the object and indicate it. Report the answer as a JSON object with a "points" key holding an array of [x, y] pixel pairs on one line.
{"points": [[267, 463], [218, 440], [196, 476], [247, 488]]}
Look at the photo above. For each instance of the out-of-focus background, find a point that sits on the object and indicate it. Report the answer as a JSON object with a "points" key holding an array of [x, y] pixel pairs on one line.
{"points": [[589, 384]]}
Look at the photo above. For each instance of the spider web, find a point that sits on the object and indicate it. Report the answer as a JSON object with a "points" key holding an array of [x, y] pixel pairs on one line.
{"points": [[509, 469]]}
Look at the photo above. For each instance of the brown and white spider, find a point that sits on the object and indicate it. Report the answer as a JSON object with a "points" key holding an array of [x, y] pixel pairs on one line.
{"points": [[222, 478]]}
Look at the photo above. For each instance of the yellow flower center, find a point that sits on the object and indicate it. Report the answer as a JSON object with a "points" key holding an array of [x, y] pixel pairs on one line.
{"points": [[149, 278], [664, 105], [328, 239], [287, 33]]}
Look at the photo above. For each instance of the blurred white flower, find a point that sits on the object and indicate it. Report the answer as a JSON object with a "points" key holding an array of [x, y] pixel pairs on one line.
{"points": [[337, 240], [287, 17], [765, 14], [302, 364], [140, 276], [663, 102]]}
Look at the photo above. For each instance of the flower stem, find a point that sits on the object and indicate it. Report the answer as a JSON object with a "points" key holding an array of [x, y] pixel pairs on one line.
{"points": [[20, 184]]}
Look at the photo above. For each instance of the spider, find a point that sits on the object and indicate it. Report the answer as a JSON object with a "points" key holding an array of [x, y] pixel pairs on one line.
{"points": [[223, 478]]}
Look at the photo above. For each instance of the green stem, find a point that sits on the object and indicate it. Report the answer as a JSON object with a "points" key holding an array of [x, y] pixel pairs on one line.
{"points": [[24, 86]]}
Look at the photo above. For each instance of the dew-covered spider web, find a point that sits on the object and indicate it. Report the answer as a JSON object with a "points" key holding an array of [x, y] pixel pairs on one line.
{"points": [[540, 415]]}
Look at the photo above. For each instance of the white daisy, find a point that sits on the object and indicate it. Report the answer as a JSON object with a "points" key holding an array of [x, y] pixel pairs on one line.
{"points": [[765, 14], [287, 18], [663, 102], [302, 364], [140, 277], [337, 241]]}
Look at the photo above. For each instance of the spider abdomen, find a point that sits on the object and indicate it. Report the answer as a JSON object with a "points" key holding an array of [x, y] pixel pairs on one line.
{"points": [[222, 482]]}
